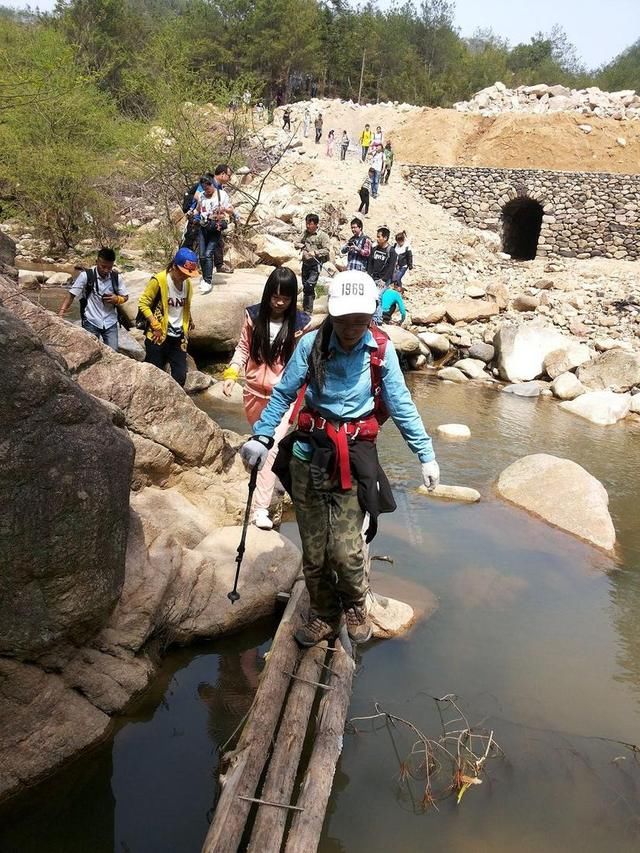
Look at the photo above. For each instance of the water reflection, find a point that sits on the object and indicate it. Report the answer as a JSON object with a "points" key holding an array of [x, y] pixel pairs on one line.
{"points": [[230, 698]]}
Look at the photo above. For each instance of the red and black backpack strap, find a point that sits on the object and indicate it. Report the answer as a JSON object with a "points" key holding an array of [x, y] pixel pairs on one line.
{"points": [[376, 360]]}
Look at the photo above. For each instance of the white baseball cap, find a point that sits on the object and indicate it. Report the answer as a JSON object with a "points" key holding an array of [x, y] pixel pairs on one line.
{"points": [[352, 292]]}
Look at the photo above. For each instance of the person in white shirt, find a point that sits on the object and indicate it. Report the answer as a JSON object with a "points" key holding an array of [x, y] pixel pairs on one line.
{"points": [[377, 163], [100, 290], [214, 207]]}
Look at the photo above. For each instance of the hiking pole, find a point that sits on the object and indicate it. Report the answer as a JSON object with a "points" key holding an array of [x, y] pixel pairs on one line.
{"points": [[234, 595]]}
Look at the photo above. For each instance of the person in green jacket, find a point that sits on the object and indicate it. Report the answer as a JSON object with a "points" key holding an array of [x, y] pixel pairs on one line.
{"points": [[166, 306]]}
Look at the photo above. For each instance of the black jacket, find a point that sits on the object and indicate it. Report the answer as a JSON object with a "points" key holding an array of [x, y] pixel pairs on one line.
{"points": [[374, 492], [382, 263]]}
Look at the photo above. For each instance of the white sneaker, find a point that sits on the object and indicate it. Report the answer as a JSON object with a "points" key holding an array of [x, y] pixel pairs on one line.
{"points": [[205, 288], [261, 519]]}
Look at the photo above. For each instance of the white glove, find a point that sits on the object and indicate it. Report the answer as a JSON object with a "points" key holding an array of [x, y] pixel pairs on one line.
{"points": [[254, 452], [430, 474]]}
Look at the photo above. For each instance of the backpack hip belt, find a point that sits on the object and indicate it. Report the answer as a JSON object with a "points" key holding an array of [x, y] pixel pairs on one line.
{"points": [[366, 428], [339, 432]]}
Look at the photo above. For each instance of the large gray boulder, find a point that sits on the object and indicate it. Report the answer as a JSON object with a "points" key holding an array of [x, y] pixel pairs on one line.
{"points": [[64, 492], [616, 370], [561, 492], [219, 315], [521, 350]]}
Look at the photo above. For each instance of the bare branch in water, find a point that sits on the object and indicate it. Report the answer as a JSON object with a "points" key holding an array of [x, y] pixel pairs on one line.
{"points": [[463, 752]]}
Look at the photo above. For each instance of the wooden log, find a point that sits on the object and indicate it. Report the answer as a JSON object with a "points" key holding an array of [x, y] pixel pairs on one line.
{"points": [[269, 825], [306, 826], [246, 762]]}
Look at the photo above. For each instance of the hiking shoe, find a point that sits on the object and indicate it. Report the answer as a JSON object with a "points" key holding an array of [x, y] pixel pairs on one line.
{"points": [[205, 287], [261, 519], [358, 624], [227, 270], [314, 631]]}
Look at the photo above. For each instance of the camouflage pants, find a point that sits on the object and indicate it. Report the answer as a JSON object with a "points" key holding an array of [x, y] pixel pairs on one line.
{"points": [[330, 523]]}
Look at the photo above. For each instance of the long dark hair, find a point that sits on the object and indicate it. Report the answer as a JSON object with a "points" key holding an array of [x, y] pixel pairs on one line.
{"points": [[319, 354], [282, 280]]}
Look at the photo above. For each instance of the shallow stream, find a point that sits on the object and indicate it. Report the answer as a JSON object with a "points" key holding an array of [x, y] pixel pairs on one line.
{"points": [[537, 633]]}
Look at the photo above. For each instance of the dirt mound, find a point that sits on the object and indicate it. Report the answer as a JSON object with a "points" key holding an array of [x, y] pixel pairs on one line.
{"points": [[510, 140], [450, 138]]}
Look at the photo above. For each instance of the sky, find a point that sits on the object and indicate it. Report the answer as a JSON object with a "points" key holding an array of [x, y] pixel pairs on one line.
{"points": [[599, 30]]}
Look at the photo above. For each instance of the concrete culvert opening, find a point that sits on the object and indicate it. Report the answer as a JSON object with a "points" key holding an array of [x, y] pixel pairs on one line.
{"points": [[521, 223]]}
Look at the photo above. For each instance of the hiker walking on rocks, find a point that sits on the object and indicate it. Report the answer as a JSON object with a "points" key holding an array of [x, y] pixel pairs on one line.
{"points": [[364, 192], [377, 137], [388, 163], [101, 291], [286, 119], [366, 138], [377, 164], [404, 256], [381, 266], [357, 248], [344, 145], [352, 380], [330, 142], [266, 344], [165, 304], [212, 213], [316, 251], [318, 126], [306, 121]]}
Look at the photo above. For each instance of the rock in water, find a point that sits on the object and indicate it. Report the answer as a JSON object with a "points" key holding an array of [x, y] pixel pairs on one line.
{"points": [[464, 494], [64, 493], [527, 389], [561, 492], [389, 617], [454, 430], [600, 407], [567, 386], [471, 367], [452, 374]]}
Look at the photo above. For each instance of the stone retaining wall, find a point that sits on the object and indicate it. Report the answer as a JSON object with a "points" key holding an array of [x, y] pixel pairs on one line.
{"points": [[584, 214]]}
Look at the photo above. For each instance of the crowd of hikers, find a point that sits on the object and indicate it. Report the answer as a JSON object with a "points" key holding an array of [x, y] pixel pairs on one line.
{"points": [[315, 398]]}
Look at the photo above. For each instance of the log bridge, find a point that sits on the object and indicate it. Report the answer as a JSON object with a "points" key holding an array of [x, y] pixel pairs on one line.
{"points": [[260, 808]]}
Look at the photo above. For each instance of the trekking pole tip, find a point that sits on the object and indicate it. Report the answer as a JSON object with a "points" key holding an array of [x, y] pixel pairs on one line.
{"points": [[233, 596]]}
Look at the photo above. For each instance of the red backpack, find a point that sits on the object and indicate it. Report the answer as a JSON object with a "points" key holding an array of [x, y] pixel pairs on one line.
{"points": [[376, 360]]}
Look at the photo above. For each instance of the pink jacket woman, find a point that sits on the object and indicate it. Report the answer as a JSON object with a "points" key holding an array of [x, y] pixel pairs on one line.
{"points": [[266, 344]]}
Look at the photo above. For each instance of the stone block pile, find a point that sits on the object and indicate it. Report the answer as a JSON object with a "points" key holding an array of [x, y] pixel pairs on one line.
{"points": [[541, 99]]}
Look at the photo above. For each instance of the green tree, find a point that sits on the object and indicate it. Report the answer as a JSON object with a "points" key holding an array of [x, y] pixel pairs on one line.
{"points": [[623, 72], [58, 134]]}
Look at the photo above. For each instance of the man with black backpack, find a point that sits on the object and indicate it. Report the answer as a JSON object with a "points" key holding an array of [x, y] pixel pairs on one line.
{"points": [[101, 291]]}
